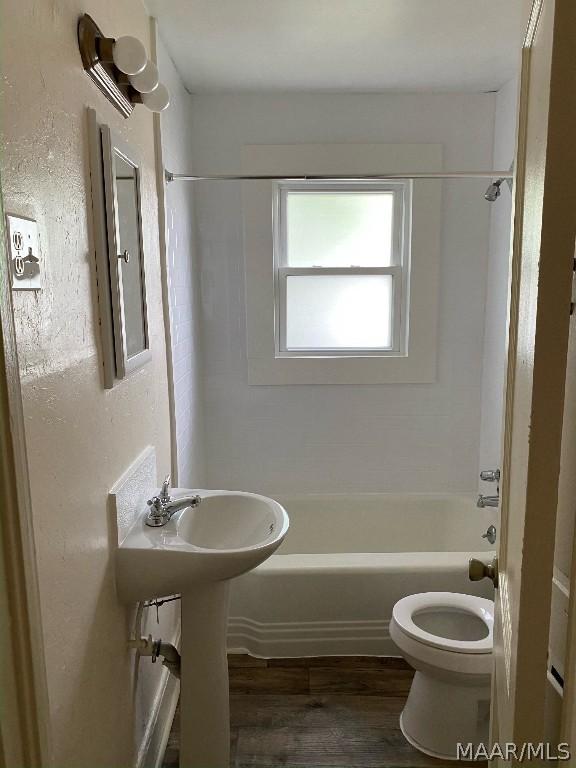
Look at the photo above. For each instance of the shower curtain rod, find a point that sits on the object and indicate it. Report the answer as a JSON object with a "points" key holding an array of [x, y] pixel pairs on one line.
{"points": [[343, 177]]}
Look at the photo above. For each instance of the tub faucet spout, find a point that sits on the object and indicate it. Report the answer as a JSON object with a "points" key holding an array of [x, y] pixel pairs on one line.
{"points": [[487, 501]]}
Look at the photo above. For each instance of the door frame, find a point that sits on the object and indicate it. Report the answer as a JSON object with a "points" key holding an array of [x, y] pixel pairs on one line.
{"points": [[527, 720], [24, 710]]}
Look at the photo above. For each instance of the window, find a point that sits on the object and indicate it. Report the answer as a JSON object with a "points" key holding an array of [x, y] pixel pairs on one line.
{"points": [[378, 328], [341, 268]]}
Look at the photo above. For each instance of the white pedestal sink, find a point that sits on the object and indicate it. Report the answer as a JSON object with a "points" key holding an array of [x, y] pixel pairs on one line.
{"points": [[196, 554]]}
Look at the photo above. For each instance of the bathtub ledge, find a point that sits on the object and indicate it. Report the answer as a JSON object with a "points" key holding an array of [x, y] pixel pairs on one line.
{"points": [[367, 562]]}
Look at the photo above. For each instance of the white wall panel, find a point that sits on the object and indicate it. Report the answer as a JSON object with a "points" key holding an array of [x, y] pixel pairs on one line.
{"points": [[326, 438]]}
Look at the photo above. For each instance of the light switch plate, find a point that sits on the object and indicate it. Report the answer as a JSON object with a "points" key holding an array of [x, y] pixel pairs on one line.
{"points": [[24, 245]]}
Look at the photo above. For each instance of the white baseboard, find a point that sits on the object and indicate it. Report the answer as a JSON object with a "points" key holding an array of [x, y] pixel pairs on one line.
{"points": [[311, 638]]}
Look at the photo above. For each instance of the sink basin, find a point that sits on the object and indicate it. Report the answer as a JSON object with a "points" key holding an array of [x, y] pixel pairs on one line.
{"points": [[196, 554], [233, 522], [228, 534]]}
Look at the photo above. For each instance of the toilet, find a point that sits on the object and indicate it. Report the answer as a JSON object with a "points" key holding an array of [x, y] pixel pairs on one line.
{"points": [[447, 638]]}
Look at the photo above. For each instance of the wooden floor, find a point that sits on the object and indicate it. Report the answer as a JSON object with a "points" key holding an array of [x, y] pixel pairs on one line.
{"points": [[317, 712]]}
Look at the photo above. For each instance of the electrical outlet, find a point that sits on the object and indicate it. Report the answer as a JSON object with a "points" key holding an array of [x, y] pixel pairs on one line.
{"points": [[24, 245]]}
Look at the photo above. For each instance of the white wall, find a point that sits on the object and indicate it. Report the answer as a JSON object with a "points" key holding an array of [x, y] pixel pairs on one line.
{"points": [[183, 278], [494, 355], [80, 436], [343, 438]]}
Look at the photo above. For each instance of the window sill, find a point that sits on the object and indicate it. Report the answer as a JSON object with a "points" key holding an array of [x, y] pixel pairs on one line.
{"points": [[342, 370]]}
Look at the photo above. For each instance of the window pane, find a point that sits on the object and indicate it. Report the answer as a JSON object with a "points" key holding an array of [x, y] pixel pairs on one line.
{"points": [[335, 229], [338, 312]]}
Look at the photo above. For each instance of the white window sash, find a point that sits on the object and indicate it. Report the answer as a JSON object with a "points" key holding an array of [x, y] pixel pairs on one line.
{"points": [[282, 273], [400, 191]]}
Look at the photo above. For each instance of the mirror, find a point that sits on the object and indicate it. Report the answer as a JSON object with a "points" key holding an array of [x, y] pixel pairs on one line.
{"points": [[129, 254], [125, 254]]}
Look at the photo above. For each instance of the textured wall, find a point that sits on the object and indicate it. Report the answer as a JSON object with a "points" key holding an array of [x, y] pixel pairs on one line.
{"points": [[289, 439], [183, 278], [81, 437]]}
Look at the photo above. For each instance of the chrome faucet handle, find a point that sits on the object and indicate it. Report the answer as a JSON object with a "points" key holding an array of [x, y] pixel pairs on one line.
{"points": [[490, 534], [487, 501], [165, 492], [490, 475], [157, 515], [157, 506]]}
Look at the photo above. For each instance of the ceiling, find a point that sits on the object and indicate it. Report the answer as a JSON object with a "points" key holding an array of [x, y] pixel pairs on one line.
{"points": [[341, 45]]}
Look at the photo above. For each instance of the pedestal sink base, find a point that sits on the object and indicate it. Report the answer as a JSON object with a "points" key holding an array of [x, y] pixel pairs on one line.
{"points": [[204, 696]]}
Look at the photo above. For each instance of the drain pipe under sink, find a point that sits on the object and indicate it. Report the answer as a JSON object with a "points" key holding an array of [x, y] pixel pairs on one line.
{"points": [[148, 646]]}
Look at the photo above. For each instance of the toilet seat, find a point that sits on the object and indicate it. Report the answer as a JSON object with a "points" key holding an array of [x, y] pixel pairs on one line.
{"points": [[479, 607]]}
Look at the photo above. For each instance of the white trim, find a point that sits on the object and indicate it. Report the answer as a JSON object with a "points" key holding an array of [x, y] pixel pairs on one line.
{"points": [[264, 365], [164, 275], [25, 720], [310, 638], [101, 249]]}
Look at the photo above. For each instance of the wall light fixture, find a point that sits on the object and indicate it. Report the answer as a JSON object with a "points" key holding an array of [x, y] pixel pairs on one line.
{"points": [[121, 69]]}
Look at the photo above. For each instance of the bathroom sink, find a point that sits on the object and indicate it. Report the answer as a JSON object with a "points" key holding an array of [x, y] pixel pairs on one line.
{"points": [[196, 552], [228, 534]]}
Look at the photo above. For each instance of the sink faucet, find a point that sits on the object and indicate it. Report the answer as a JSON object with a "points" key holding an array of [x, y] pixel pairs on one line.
{"points": [[163, 506]]}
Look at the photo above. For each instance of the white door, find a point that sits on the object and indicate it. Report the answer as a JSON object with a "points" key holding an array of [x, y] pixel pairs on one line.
{"points": [[541, 284]]}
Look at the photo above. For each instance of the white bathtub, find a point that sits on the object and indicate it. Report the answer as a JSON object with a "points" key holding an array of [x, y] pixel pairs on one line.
{"points": [[346, 560]]}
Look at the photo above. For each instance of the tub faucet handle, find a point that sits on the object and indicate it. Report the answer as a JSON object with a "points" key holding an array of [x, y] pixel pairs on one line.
{"points": [[490, 534], [490, 475]]}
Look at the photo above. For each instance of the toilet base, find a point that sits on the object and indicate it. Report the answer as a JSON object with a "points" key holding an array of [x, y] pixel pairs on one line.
{"points": [[439, 714]]}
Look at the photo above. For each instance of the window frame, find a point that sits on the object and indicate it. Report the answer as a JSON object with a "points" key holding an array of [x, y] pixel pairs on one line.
{"points": [[399, 269]]}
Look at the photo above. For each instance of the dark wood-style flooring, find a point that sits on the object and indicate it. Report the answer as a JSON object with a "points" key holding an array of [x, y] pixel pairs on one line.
{"points": [[329, 712]]}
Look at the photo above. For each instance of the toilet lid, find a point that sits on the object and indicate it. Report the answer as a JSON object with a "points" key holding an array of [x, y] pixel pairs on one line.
{"points": [[426, 616]]}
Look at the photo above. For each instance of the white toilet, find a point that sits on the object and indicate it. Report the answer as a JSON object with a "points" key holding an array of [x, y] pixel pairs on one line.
{"points": [[447, 638]]}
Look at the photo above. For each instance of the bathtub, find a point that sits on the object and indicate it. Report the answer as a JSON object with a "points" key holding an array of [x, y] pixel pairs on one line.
{"points": [[346, 560]]}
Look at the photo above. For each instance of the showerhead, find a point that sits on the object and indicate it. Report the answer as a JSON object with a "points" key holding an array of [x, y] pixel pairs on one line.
{"points": [[493, 191]]}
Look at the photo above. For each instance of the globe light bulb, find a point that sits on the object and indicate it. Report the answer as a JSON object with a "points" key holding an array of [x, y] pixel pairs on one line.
{"points": [[158, 99], [146, 80], [129, 55]]}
